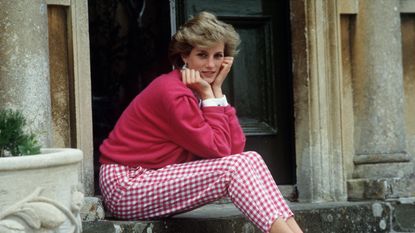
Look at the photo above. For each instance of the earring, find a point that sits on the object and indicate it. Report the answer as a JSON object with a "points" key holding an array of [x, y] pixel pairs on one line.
{"points": [[184, 66]]}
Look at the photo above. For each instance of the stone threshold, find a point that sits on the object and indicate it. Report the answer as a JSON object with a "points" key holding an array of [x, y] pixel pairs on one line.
{"points": [[339, 217]]}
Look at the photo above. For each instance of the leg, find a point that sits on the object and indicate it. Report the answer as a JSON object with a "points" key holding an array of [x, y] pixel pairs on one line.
{"points": [[267, 198], [270, 187], [269, 182], [293, 225], [141, 194], [137, 193], [280, 226]]}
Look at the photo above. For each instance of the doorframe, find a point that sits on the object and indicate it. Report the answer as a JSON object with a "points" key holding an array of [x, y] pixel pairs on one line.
{"points": [[318, 91], [79, 65]]}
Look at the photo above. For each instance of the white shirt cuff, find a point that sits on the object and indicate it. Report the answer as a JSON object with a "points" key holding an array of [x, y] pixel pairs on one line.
{"points": [[222, 102]]}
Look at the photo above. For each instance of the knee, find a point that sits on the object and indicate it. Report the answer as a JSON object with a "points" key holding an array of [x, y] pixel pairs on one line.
{"points": [[238, 161], [252, 154], [248, 159]]}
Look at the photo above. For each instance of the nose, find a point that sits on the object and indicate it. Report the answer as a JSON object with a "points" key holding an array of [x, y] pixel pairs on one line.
{"points": [[211, 62]]}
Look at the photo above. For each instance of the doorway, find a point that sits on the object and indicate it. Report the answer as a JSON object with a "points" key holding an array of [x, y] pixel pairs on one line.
{"points": [[129, 41]]}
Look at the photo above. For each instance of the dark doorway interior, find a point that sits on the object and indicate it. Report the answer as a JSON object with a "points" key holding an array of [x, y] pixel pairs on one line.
{"points": [[129, 41]]}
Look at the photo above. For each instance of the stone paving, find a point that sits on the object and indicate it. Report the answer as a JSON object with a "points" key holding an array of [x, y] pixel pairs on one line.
{"points": [[375, 216]]}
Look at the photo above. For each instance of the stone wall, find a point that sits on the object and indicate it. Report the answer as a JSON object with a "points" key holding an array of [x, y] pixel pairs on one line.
{"points": [[408, 45], [376, 86], [25, 73], [24, 67]]}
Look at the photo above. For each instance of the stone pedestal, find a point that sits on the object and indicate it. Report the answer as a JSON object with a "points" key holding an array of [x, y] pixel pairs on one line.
{"points": [[41, 193], [380, 144], [24, 69]]}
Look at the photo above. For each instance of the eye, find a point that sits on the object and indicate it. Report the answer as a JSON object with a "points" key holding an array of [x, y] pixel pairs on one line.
{"points": [[202, 55], [219, 55]]}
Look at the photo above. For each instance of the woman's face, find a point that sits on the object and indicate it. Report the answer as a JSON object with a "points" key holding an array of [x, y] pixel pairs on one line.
{"points": [[207, 61]]}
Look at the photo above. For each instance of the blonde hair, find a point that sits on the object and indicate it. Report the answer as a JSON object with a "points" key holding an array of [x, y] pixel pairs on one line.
{"points": [[203, 30]]}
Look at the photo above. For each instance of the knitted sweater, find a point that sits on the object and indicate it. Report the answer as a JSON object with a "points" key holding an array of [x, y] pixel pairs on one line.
{"points": [[165, 125]]}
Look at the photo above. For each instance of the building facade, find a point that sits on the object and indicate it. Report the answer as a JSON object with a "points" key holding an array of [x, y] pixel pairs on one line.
{"points": [[351, 65]]}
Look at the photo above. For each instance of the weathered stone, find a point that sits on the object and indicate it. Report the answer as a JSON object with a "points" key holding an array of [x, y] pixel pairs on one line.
{"points": [[378, 80], [380, 188], [92, 209], [363, 189], [98, 227], [344, 217], [404, 217], [220, 218], [24, 67], [379, 117], [317, 101], [41, 192], [383, 170]]}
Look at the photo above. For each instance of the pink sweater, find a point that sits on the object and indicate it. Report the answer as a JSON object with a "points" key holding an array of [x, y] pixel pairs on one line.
{"points": [[164, 125]]}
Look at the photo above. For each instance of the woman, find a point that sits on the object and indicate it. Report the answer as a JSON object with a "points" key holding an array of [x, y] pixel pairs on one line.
{"points": [[179, 145]]}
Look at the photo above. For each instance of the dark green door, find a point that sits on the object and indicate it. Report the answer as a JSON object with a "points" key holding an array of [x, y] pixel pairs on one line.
{"points": [[259, 85]]}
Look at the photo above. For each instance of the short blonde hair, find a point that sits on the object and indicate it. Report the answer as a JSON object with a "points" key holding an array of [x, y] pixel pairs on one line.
{"points": [[203, 30]]}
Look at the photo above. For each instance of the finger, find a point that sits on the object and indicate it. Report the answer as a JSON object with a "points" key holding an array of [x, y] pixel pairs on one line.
{"points": [[186, 76], [224, 71], [225, 68], [228, 60], [192, 77], [197, 76], [183, 76], [200, 81]]}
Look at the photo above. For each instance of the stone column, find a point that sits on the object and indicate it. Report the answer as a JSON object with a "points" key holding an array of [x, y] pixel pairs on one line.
{"points": [[380, 146], [317, 101], [24, 66]]}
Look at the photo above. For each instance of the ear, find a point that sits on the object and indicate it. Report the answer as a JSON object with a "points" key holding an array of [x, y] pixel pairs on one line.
{"points": [[184, 58]]}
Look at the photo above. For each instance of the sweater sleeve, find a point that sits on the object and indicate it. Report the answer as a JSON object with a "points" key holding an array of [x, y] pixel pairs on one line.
{"points": [[238, 139], [204, 132]]}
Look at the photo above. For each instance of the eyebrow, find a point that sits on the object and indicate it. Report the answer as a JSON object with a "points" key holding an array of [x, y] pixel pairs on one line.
{"points": [[205, 51]]}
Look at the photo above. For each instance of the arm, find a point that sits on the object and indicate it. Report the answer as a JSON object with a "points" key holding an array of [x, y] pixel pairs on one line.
{"points": [[204, 132], [237, 134], [217, 84], [213, 129]]}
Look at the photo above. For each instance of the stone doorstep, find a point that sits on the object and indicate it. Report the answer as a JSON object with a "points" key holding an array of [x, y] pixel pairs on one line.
{"points": [[394, 216], [380, 188]]}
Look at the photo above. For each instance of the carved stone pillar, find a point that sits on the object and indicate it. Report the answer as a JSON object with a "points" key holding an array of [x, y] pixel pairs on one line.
{"points": [[317, 100], [24, 69], [380, 145]]}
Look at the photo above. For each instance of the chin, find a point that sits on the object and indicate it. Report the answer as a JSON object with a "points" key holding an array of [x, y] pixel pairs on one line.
{"points": [[209, 80]]}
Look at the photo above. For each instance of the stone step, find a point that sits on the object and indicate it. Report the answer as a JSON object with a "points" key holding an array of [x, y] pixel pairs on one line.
{"points": [[394, 216]]}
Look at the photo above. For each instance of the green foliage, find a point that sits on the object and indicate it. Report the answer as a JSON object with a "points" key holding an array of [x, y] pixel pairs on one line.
{"points": [[13, 139]]}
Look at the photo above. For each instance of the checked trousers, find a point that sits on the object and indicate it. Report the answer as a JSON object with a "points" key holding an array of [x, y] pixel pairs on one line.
{"points": [[133, 193]]}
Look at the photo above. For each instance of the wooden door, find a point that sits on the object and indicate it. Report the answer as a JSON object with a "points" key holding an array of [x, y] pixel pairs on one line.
{"points": [[259, 85]]}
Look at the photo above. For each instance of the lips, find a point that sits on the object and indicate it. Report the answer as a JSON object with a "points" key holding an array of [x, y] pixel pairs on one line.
{"points": [[208, 73]]}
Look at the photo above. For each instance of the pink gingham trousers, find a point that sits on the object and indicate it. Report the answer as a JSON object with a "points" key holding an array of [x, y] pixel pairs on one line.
{"points": [[137, 193]]}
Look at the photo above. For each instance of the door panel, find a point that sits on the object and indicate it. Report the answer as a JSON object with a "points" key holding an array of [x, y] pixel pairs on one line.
{"points": [[259, 84], [250, 83]]}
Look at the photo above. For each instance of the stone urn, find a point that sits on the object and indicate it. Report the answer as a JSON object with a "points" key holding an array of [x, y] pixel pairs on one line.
{"points": [[41, 193]]}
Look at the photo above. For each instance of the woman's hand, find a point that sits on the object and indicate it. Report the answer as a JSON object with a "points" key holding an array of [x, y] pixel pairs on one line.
{"points": [[191, 78], [217, 84]]}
